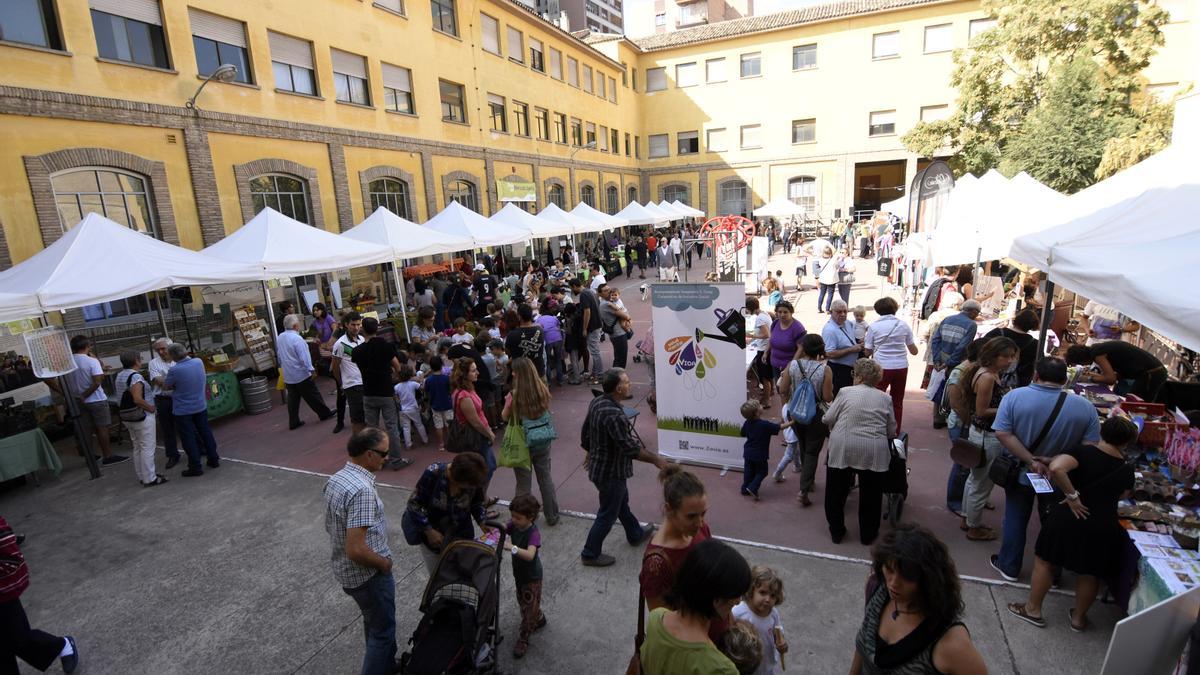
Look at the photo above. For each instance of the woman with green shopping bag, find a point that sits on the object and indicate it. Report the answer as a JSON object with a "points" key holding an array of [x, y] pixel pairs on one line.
{"points": [[527, 408]]}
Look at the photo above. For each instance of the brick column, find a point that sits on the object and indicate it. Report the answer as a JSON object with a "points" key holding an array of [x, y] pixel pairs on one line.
{"points": [[572, 200], [341, 186], [489, 177], [539, 193], [703, 190], [204, 184], [427, 178]]}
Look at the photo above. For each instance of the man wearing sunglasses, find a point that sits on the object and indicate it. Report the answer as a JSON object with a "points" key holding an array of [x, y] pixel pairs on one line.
{"points": [[358, 533]]}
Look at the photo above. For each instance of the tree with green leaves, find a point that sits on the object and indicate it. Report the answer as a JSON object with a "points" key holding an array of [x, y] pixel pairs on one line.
{"points": [[1010, 73]]}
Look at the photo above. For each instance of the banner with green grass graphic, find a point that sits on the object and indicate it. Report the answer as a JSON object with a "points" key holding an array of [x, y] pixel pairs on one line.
{"points": [[700, 371]]}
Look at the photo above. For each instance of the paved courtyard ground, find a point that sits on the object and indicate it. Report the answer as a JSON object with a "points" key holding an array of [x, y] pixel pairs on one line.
{"points": [[229, 573]]}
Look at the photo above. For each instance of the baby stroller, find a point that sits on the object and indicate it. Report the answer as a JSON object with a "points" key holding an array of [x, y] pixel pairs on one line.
{"points": [[895, 483], [459, 630]]}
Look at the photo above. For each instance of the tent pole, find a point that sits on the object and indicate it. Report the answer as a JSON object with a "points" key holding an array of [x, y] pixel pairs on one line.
{"points": [[81, 436], [400, 291], [270, 311], [975, 271], [162, 319], [1047, 317]]}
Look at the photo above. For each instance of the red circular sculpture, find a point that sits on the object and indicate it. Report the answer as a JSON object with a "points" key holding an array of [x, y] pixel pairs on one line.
{"points": [[728, 230]]}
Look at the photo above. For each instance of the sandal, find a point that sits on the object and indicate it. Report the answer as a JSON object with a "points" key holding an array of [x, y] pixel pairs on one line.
{"points": [[1018, 610], [158, 480], [1071, 621], [981, 534]]}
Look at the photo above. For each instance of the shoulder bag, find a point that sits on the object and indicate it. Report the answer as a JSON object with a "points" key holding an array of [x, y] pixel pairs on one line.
{"points": [[461, 436], [635, 662], [514, 451], [540, 432], [129, 411], [1005, 468]]}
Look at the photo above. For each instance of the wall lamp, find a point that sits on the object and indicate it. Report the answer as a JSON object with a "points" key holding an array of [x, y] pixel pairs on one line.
{"points": [[590, 146], [225, 72]]}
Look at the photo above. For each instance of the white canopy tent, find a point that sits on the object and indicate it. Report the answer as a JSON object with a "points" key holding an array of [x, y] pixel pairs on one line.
{"points": [[605, 221], [898, 207], [972, 208], [539, 228], [780, 207], [659, 211], [672, 210], [684, 208], [636, 214], [279, 246], [100, 261], [406, 239], [571, 223], [458, 221]]}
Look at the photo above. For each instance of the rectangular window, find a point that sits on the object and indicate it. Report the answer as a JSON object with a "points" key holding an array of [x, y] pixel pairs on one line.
{"points": [[218, 41], [489, 29], [715, 140], [350, 77], [587, 78], [624, 74], [541, 120], [752, 64], [516, 45], [656, 79], [521, 119], [885, 45], [537, 58], [804, 57], [939, 38], [452, 97], [560, 128], [714, 70], [556, 64], [687, 74], [978, 26], [603, 139], [627, 144], [601, 86], [660, 145], [633, 79], [804, 131], [397, 89], [130, 31], [576, 132], [692, 13], [30, 22], [444, 19], [612, 89], [687, 142], [292, 64], [660, 20], [572, 72], [396, 6], [883, 123], [637, 147], [614, 142], [497, 112], [934, 113], [750, 136], [591, 135]]}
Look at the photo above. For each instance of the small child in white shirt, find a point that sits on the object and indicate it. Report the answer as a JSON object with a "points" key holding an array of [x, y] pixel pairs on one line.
{"points": [[406, 402], [791, 453], [758, 607], [860, 323]]}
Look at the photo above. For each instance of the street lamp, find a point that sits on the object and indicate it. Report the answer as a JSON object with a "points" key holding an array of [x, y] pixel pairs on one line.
{"points": [[591, 145], [224, 73]]}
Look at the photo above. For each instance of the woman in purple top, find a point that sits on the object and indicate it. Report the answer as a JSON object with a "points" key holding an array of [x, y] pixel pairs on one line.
{"points": [[323, 323], [784, 344], [553, 336]]}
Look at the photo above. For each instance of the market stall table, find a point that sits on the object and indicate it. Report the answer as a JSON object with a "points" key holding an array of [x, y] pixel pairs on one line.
{"points": [[26, 453]]}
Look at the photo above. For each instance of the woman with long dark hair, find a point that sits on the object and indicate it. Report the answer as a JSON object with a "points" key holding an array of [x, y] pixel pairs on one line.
{"points": [[984, 391], [529, 402], [913, 619]]}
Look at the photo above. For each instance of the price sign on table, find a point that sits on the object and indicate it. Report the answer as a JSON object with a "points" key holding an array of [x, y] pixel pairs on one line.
{"points": [[49, 352]]}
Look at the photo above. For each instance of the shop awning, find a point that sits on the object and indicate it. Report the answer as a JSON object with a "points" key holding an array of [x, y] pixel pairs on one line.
{"points": [[406, 238], [98, 261], [279, 246]]}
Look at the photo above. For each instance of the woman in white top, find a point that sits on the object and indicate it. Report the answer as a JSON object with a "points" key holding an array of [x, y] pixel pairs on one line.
{"points": [[423, 295], [890, 341], [141, 432], [759, 336], [827, 276]]}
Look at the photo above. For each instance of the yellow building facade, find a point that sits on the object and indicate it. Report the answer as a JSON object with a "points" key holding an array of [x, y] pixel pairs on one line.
{"points": [[339, 106]]}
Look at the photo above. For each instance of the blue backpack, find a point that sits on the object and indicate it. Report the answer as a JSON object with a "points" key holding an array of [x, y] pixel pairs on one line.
{"points": [[802, 407]]}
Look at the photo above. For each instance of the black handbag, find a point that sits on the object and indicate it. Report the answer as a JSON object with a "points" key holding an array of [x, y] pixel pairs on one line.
{"points": [[884, 267], [462, 437], [1006, 469], [129, 411]]}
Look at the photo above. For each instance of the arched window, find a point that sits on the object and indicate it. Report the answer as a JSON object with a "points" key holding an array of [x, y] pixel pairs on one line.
{"points": [[632, 194], [802, 190], [557, 196], [611, 198], [587, 195], [391, 194], [286, 194], [734, 198], [672, 192], [118, 195], [463, 192]]}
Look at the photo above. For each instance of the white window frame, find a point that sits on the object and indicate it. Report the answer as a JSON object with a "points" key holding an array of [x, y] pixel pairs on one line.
{"points": [[882, 42], [796, 50], [800, 123], [743, 59], [663, 143], [878, 118], [755, 130], [721, 135], [941, 32], [719, 74], [690, 72]]}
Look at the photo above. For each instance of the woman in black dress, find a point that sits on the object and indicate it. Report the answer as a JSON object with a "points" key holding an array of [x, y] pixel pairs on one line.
{"points": [[1081, 533]]}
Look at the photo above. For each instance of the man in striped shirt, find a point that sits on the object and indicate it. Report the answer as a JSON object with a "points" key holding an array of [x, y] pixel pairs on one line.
{"points": [[361, 558]]}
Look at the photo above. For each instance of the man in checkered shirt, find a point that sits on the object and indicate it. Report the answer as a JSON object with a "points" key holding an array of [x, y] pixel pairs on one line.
{"points": [[361, 558]]}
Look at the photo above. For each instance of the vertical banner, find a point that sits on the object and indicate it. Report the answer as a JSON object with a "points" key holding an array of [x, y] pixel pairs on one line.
{"points": [[700, 371], [927, 196]]}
